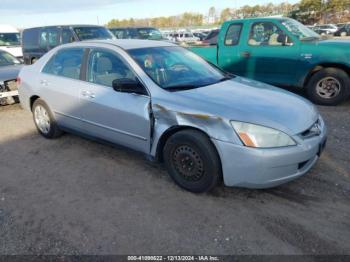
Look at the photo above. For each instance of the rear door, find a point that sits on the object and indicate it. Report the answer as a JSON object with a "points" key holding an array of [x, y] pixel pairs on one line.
{"points": [[121, 118], [60, 86]]}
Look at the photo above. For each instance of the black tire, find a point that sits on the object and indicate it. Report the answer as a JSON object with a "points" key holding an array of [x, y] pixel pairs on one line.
{"points": [[53, 130], [192, 161], [329, 97]]}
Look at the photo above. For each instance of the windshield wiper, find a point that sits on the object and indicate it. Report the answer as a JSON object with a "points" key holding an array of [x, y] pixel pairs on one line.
{"points": [[225, 79], [180, 87]]}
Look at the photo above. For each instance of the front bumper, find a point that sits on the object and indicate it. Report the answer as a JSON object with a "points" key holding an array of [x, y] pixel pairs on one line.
{"points": [[264, 168]]}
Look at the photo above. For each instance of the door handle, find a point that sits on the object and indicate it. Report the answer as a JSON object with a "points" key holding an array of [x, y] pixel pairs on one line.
{"points": [[88, 94], [245, 54], [44, 82]]}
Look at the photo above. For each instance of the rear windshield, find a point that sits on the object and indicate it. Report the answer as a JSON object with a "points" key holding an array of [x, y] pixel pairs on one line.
{"points": [[10, 39], [92, 32]]}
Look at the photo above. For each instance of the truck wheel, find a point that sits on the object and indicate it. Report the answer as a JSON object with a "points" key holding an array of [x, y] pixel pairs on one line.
{"points": [[44, 120], [192, 161], [329, 86], [33, 60]]}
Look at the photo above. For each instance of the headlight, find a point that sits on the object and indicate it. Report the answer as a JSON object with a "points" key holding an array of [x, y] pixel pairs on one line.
{"points": [[260, 136]]}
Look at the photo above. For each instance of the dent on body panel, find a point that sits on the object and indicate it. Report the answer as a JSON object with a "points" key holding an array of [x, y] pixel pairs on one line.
{"points": [[214, 126]]}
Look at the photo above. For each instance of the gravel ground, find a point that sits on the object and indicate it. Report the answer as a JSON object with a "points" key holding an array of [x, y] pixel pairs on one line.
{"points": [[75, 196]]}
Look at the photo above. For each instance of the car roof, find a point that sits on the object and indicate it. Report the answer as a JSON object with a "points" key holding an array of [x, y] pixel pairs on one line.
{"points": [[49, 26], [127, 44], [271, 18]]}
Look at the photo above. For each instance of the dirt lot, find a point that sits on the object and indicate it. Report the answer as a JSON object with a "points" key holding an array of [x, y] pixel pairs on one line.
{"points": [[74, 196]]}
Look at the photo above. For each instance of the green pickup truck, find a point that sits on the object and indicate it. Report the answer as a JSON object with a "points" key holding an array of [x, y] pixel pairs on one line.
{"points": [[285, 53]]}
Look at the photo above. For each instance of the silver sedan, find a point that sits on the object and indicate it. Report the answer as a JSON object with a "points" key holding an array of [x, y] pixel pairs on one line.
{"points": [[163, 100]]}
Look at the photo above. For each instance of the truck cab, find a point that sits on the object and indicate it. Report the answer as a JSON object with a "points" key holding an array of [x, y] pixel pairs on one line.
{"points": [[10, 40], [285, 53]]}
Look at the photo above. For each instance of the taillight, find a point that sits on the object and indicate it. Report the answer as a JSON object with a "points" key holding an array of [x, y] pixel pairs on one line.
{"points": [[18, 81]]}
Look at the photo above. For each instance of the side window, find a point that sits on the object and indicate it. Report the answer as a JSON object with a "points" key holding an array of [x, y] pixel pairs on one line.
{"points": [[267, 34], [233, 34], [67, 36], [66, 63], [30, 39], [105, 67], [43, 39], [53, 37]]}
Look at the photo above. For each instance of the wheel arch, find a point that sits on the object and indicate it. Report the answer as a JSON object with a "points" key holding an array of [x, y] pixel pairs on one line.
{"points": [[173, 130], [321, 66], [32, 99]]}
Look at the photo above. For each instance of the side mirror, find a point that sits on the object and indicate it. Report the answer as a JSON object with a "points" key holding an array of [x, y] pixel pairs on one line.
{"points": [[283, 39], [127, 85]]}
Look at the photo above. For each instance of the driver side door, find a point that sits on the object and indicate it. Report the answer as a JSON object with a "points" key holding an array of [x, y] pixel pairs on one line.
{"points": [[121, 118], [270, 55]]}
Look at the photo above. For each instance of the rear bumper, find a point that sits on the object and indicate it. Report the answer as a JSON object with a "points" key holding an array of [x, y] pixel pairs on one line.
{"points": [[265, 168]]}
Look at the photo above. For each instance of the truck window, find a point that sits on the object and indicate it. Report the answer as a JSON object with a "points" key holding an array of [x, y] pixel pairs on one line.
{"points": [[30, 39], [53, 37], [266, 34], [43, 39], [67, 36], [233, 34]]}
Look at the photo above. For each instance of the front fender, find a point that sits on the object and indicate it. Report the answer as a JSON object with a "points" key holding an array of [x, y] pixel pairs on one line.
{"points": [[214, 126]]}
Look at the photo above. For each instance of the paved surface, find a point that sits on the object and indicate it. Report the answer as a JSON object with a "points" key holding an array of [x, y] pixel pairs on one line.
{"points": [[74, 196]]}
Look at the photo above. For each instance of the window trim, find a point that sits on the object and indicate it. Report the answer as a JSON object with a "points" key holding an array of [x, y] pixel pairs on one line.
{"points": [[240, 33], [250, 30]]}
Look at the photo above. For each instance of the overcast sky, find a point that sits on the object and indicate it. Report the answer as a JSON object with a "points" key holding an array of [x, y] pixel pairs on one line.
{"points": [[28, 13]]}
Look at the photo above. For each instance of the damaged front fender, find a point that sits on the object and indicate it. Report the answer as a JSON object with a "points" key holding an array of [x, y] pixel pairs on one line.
{"points": [[166, 118]]}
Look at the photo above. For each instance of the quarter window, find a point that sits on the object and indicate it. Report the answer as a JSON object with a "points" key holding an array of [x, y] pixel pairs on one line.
{"points": [[66, 63], [233, 34], [267, 34], [105, 67]]}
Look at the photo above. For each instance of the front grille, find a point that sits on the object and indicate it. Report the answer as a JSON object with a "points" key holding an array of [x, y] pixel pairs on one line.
{"points": [[11, 85], [314, 130]]}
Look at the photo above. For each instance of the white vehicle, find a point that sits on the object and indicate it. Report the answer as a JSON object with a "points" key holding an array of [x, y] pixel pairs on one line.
{"points": [[329, 29], [187, 37], [184, 37], [10, 40]]}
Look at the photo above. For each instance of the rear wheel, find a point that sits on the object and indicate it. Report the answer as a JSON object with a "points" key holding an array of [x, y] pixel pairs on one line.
{"points": [[329, 86], [192, 161], [44, 121]]}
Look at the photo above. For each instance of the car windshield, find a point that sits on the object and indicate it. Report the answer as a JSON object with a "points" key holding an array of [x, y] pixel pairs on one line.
{"points": [[176, 68], [149, 33], [7, 59], [92, 32], [300, 30], [10, 39]]}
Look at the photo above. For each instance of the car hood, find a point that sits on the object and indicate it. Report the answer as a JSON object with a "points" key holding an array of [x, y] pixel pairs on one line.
{"points": [[334, 43], [9, 72], [250, 101]]}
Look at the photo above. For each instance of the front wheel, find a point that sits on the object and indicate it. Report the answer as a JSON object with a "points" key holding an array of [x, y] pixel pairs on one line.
{"points": [[192, 161], [44, 120], [329, 86]]}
